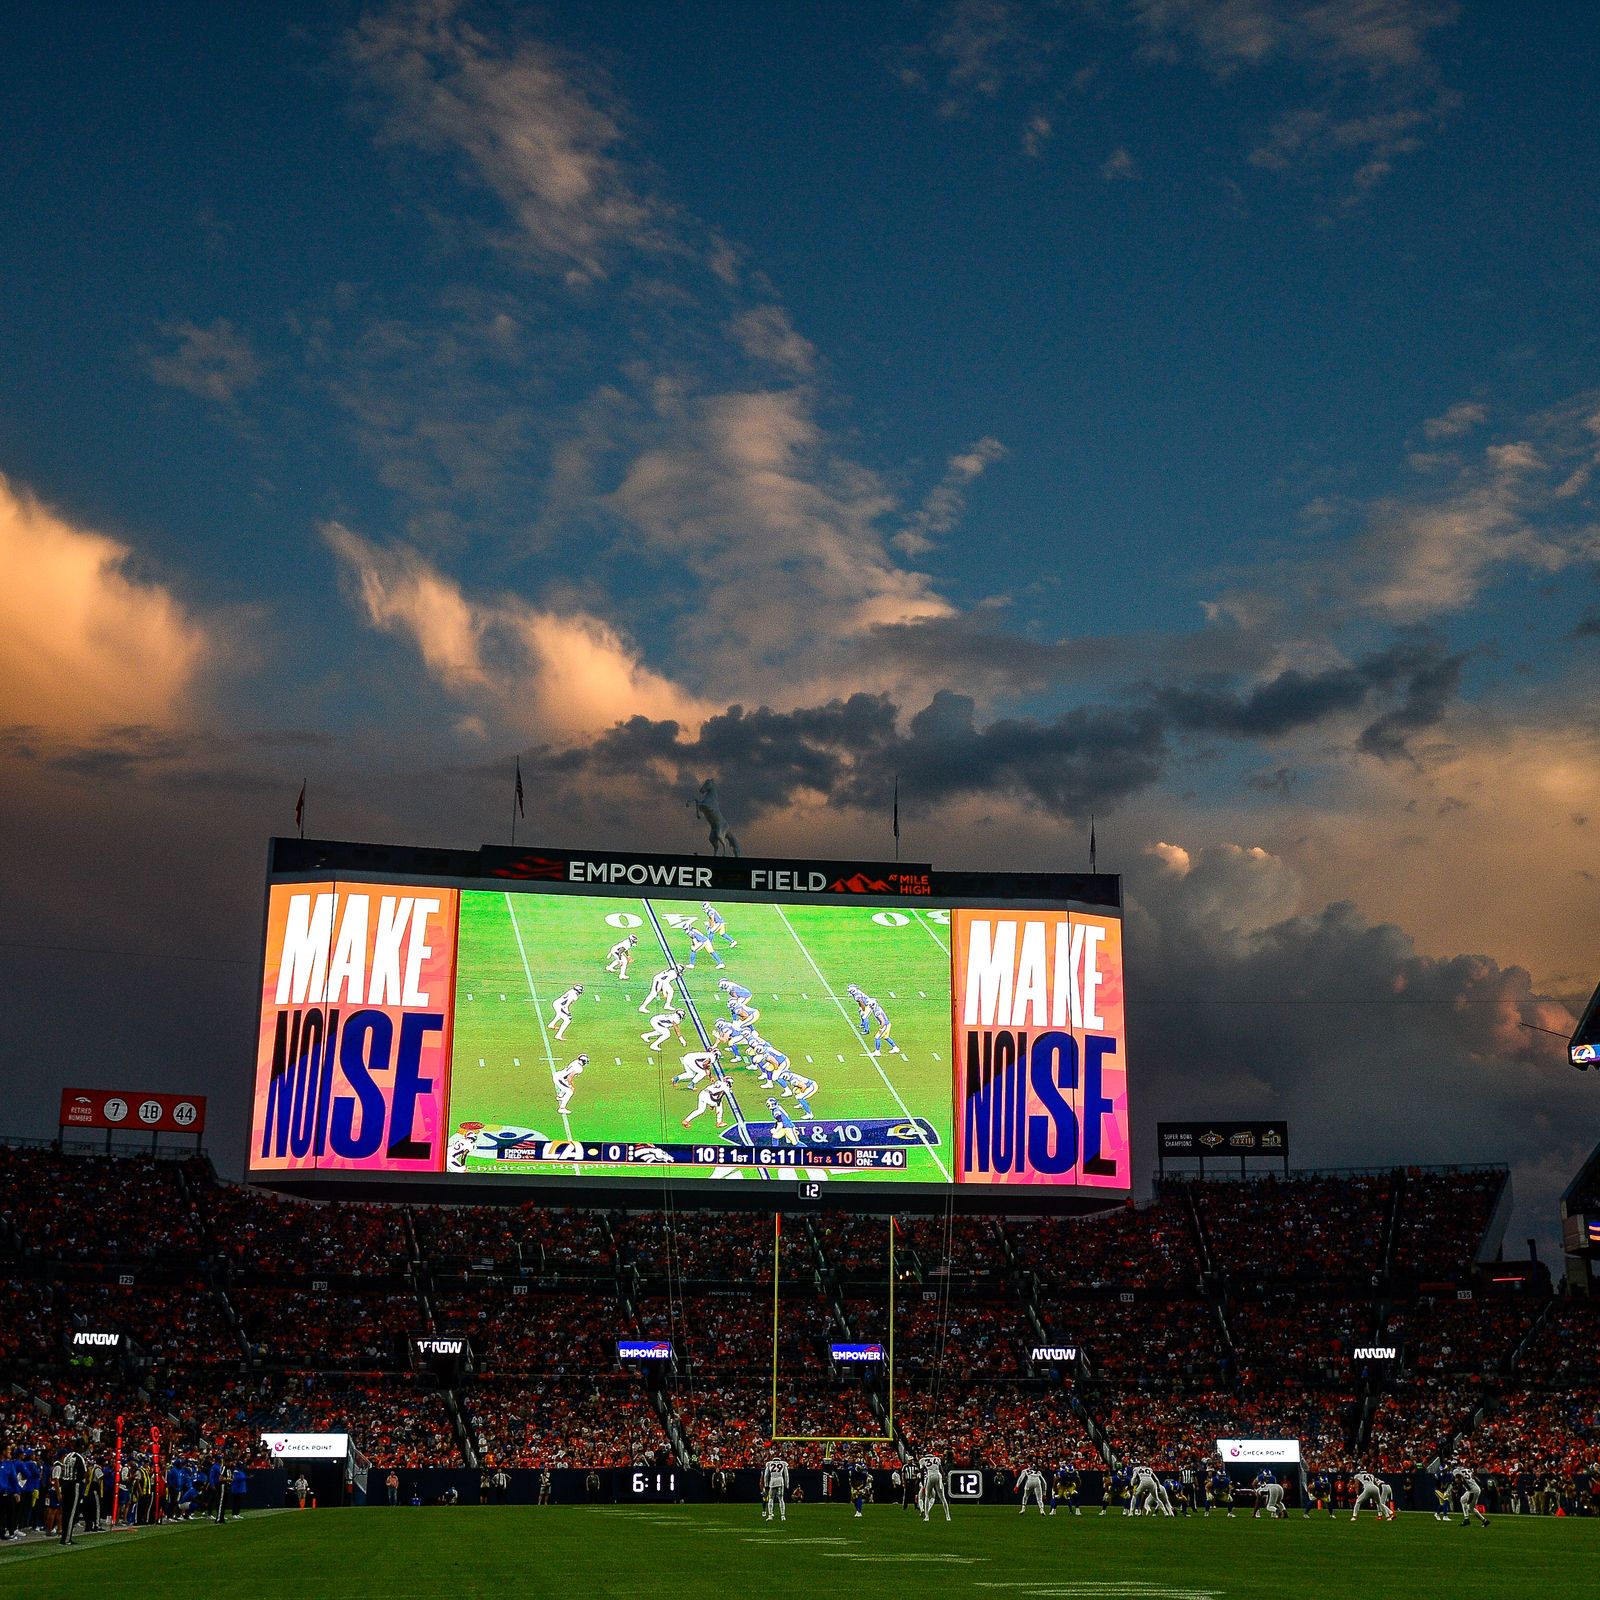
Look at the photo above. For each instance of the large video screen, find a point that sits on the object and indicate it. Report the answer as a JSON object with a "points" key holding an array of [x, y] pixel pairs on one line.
{"points": [[522, 1032]]}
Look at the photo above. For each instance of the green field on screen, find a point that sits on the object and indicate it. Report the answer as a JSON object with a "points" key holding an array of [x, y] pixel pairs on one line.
{"points": [[517, 952]]}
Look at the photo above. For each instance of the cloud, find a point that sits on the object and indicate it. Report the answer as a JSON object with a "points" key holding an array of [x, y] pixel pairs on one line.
{"points": [[1367, 84], [1242, 1003], [1462, 417], [943, 506], [779, 536], [1374, 37], [1037, 134], [1516, 507], [525, 126], [1419, 672], [977, 49], [542, 673], [214, 363], [83, 639], [1119, 166], [765, 333], [846, 752]]}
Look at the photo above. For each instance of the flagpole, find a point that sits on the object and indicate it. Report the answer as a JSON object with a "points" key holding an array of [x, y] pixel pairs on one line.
{"points": [[897, 816]]}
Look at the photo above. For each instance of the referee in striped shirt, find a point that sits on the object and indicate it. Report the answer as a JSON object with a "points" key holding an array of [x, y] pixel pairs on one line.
{"points": [[74, 1481]]}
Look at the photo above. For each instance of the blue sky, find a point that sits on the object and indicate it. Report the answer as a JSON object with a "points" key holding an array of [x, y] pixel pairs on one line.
{"points": [[1186, 413]]}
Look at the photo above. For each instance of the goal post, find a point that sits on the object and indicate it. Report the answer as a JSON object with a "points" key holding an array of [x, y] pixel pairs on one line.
{"points": [[827, 1438]]}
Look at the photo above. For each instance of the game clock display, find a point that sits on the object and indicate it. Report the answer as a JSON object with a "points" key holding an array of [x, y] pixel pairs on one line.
{"points": [[653, 1483], [484, 1034]]}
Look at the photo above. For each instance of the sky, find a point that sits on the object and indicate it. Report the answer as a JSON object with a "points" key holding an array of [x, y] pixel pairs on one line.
{"points": [[1181, 414]]}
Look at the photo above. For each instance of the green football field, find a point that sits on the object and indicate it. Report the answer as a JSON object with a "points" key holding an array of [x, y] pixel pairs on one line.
{"points": [[518, 952], [694, 1551]]}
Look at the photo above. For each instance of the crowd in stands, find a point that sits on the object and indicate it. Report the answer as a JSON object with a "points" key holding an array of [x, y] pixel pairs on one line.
{"points": [[562, 1422], [1288, 1336], [535, 1331], [1218, 1308], [270, 1235], [314, 1328], [1565, 1347], [1326, 1229], [140, 1208], [1133, 1247], [1477, 1335], [996, 1425], [1444, 1217]]}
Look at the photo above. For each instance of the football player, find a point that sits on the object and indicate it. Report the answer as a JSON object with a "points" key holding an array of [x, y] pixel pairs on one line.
{"points": [[561, 1011]]}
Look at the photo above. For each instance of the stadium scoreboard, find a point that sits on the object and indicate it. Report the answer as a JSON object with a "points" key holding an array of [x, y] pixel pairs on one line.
{"points": [[472, 1020]]}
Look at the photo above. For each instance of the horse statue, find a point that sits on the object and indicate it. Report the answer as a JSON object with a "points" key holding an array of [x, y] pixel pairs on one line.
{"points": [[707, 805]]}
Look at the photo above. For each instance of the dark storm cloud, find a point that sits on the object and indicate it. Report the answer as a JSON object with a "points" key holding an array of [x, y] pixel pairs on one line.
{"points": [[1420, 672], [851, 751], [182, 758]]}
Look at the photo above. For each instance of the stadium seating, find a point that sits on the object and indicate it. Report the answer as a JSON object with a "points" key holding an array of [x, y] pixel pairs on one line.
{"points": [[1219, 1308]]}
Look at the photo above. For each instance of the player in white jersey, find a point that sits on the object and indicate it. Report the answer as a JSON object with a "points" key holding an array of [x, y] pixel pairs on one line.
{"points": [[1031, 1487], [774, 1486], [620, 954], [561, 1011], [565, 1079], [698, 1065], [1148, 1497], [1471, 1492], [1269, 1496], [1372, 1491], [458, 1149], [715, 926], [931, 1471], [661, 1024], [661, 987], [713, 1097]]}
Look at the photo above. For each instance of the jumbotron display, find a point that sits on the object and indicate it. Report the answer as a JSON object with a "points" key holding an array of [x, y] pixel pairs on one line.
{"points": [[559, 1016]]}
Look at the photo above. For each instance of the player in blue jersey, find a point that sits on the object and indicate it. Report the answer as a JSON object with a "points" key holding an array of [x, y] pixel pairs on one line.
{"points": [[796, 1086], [716, 928], [860, 1479], [1064, 1489], [1320, 1491], [739, 1003], [769, 1061], [877, 1024], [700, 944], [728, 1035], [1220, 1494], [783, 1128]]}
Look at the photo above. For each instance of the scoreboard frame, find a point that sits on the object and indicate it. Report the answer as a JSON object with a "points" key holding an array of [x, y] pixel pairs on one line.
{"points": [[758, 880]]}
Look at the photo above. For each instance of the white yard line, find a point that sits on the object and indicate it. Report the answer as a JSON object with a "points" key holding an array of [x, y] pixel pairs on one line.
{"points": [[927, 927], [538, 1011], [875, 1060]]}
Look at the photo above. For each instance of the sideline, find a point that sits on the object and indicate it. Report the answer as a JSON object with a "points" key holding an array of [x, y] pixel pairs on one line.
{"points": [[35, 1549]]}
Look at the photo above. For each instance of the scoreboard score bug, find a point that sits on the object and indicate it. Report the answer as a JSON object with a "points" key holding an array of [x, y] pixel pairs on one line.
{"points": [[499, 1019]]}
